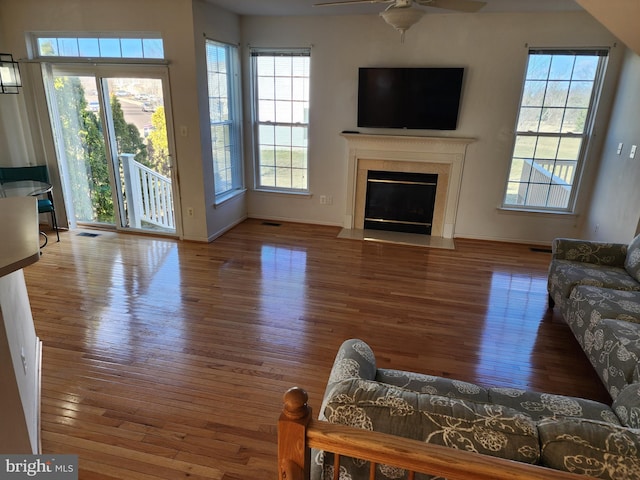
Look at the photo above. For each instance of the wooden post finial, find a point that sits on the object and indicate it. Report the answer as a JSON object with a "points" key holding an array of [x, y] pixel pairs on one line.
{"points": [[295, 403]]}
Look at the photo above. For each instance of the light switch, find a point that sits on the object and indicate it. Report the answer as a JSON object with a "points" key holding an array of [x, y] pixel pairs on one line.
{"points": [[632, 153], [619, 151]]}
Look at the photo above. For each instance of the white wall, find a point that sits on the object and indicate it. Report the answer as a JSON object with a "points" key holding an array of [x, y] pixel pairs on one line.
{"points": [[174, 19], [615, 211], [214, 23], [13, 143], [492, 48], [19, 382]]}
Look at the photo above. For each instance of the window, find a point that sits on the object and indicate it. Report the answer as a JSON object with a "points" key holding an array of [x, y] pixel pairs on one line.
{"points": [[281, 117], [554, 122], [99, 46], [222, 62]]}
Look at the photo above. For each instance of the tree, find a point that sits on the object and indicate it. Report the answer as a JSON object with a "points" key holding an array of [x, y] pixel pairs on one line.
{"points": [[127, 134], [84, 149], [158, 144]]}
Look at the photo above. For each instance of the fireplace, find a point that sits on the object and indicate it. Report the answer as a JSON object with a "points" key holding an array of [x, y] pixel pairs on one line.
{"points": [[400, 201], [438, 156]]}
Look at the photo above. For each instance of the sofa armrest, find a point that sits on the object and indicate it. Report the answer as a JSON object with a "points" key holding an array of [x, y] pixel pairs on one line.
{"points": [[354, 360], [587, 251]]}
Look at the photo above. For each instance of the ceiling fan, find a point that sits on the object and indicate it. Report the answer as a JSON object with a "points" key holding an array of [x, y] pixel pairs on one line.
{"points": [[401, 14]]}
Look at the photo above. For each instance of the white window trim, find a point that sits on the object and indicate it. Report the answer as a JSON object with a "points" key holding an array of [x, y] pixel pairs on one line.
{"points": [[235, 112], [587, 135], [256, 52]]}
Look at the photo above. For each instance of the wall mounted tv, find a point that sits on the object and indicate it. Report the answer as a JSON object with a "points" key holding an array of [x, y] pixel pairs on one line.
{"points": [[414, 98]]}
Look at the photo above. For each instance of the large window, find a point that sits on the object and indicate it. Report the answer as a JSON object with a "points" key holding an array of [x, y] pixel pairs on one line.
{"points": [[281, 118], [554, 122], [222, 61]]}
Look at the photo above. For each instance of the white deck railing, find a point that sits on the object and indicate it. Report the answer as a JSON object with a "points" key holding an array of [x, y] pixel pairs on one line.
{"points": [[148, 194], [544, 189]]}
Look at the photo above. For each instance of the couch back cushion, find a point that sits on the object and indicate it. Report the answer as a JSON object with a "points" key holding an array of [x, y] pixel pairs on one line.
{"points": [[421, 383], [589, 447], [473, 426], [541, 406], [632, 263]]}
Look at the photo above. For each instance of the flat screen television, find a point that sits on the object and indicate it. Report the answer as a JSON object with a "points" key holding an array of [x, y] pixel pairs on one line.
{"points": [[412, 98]]}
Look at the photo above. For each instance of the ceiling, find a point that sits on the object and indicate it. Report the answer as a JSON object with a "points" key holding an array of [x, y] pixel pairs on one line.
{"points": [[305, 7]]}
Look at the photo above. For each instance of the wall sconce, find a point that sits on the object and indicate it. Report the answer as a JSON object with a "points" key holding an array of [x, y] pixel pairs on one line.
{"points": [[9, 74]]}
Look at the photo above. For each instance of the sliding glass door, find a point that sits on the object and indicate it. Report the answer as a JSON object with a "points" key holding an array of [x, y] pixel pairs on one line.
{"points": [[113, 146]]}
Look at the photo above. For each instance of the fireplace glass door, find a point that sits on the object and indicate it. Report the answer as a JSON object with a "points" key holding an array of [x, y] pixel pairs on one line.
{"points": [[400, 201]]}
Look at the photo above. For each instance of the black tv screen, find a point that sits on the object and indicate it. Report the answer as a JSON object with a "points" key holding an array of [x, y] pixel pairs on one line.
{"points": [[415, 98]]}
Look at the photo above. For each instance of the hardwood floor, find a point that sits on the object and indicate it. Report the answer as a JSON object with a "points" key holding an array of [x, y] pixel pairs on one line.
{"points": [[166, 359]]}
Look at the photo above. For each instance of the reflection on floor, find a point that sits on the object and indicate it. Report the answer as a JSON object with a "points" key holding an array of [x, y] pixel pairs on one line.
{"points": [[400, 238]]}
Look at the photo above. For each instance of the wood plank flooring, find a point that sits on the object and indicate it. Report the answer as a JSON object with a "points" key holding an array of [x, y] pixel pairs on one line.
{"points": [[167, 360]]}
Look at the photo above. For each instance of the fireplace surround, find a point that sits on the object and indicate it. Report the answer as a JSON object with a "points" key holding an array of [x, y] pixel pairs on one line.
{"points": [[441, 156]]}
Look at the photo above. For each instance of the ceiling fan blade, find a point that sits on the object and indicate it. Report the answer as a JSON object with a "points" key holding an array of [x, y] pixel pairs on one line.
{"points": [[469, 6], [349, 2]]}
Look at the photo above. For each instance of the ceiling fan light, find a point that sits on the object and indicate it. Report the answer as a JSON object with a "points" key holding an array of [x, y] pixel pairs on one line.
{"points": [[402, 18]]}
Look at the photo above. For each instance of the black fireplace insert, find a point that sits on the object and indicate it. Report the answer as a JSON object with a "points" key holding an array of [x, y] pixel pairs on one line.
{"points": [[400, 201]]}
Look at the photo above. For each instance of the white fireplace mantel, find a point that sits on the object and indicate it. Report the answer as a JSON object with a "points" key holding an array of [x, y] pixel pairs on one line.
{"points": [[443, 156]]}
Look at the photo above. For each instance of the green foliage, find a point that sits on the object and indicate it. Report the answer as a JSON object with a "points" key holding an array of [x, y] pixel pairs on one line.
{"points": [[157, 143], [85, 151], [127, 134], [81, 132]]}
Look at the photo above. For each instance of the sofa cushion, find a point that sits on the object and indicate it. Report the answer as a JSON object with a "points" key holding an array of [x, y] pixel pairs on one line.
{"points": [[473, 426], [589, 447], [565, 275], [422, 383], [588, 305], [627, 405], [541, 406], [632, 262], [619, 353]]}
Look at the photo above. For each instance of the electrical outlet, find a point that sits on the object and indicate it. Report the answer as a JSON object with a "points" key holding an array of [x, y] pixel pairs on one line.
{"points": [[190, 211], [619, 150], [329, 200], [323, 199]]}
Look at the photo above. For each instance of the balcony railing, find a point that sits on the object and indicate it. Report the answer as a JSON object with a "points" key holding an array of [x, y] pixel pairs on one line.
{"points": [[543, 188], [148, 195]]}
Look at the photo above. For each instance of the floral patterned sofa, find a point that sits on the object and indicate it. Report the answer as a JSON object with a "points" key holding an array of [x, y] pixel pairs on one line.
{"points": [[565, 433], [597, 288]]}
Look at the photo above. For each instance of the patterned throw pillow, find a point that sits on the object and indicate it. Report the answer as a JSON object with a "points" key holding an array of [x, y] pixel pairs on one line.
{"points": [[589, 447], [632, 263]]}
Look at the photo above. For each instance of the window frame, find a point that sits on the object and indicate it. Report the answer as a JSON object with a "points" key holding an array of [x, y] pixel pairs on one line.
{"points": [[234, 160], [254, 54], [69, 38], [585, 136]]}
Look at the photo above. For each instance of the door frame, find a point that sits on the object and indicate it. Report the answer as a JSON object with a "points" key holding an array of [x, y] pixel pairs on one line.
{"points": [[103, 71]]}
